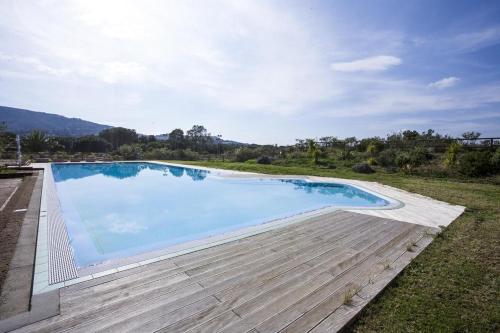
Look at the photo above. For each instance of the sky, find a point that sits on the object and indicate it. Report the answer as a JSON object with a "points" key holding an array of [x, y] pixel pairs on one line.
{"points": [[257, 71]]}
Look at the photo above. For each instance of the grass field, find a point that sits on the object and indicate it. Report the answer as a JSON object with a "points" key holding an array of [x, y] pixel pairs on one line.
{"points": [[453, 285]]}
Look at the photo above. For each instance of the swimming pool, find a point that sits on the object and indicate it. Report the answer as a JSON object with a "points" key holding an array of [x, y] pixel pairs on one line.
{"points": [[116, 210]]}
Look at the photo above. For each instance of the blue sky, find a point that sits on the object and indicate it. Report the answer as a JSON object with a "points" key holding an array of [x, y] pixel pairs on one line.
{"points": [[257, 71]]}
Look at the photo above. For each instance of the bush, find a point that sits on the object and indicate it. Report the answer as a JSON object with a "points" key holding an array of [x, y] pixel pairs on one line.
{"points": [[420, 155], [362, 168], [130, 152], [408, 161], [264, 160], [371, 161], [495, 161], [476, 163], [374, 148], [245, 154], [159, 154], [403, 161], [167, 154], [386, 158], [346, 155], [450, 159]]}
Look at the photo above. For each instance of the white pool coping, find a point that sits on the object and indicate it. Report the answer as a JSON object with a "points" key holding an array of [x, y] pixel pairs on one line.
{"points": [[402, 206]]}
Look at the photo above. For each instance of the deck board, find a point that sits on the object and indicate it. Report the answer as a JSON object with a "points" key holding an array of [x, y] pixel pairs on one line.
{"points": [[291, 279]]}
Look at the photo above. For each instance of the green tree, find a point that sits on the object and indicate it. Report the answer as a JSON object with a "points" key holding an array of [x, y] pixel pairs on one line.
{"points": [[176, 139], [35, 142], [313, 150], [471, 135], [91, 144], [118, 136], [130, 152], [198, 137]]}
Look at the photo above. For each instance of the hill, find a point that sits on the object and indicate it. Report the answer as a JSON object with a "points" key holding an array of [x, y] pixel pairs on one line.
{"points": [[21, 121]]}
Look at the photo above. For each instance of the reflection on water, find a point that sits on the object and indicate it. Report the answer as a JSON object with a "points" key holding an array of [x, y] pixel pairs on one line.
{"points": [[121, 170], [196, 174], [329, 189]]}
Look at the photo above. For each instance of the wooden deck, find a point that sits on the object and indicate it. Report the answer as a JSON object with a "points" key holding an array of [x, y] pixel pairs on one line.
{"points": [[312, 276]]}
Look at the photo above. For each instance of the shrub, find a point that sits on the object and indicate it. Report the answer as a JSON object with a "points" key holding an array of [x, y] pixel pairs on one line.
{"points": [[264, 160], [419, 156], [362, 168], [244, 154], [475, 163], [371, 161], [130, 152], [187, 154], [495, 161], [167, 154], [408, 161], [346, 155], [326, 165], [403, 161], [386, 158], [374, 147], [159, 154], [450, 159]]}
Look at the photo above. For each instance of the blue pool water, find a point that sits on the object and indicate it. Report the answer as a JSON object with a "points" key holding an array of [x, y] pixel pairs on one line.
{"points": [[115, 210]]}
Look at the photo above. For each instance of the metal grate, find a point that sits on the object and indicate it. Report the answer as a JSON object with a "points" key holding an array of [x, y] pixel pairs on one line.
{"points": [[61, 261]]}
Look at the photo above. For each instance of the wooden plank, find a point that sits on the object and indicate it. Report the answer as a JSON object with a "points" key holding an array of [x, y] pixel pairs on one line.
{"points": [[101, 312], [251, 294], [290, 279], [358, 276], [346, 313], [289, 315], [152, 275], [258, 313], [220, 284], [258, 256]]}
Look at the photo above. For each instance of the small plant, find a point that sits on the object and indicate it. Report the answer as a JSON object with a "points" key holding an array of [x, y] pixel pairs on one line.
{"points": [[440, 233], [430, 233], [387, 264], [410, 247], [349, 294]]}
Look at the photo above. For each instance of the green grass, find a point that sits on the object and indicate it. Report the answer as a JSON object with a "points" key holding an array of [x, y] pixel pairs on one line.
{"points": [[453, 285]]}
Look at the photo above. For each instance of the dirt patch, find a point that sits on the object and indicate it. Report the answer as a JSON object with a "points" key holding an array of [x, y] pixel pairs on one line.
{"points": [[11, 222]]}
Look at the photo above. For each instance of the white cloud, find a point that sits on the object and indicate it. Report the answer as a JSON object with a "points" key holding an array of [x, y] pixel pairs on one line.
{"points": [[471, 41], [234, 55], [444, 83], [114, 72], [33, 63], [385, 97], [117, 225], [371, 64]]}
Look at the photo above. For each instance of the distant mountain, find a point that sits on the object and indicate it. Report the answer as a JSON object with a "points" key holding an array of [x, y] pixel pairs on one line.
{"points": [[21, 121]]}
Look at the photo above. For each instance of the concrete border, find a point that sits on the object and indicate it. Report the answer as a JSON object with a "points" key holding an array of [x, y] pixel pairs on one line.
{"points": [[43, 306]]}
